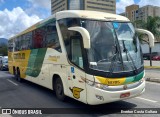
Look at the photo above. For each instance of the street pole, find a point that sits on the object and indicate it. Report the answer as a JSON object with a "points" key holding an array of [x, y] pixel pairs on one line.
{"points": [[150, 52]]}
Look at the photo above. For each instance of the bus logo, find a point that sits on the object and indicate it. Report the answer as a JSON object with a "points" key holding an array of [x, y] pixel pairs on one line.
{"points": [[76, 92]]}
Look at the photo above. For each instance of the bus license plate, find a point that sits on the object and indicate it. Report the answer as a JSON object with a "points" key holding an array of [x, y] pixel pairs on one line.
{"points": [[124, 95]]}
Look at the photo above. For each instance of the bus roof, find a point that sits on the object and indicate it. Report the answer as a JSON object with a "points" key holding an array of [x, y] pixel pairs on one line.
{"points": [[76, 14], [90, 15]]}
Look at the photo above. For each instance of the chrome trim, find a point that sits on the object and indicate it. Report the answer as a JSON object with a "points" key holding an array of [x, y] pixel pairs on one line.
{"points": [[121, 87]]}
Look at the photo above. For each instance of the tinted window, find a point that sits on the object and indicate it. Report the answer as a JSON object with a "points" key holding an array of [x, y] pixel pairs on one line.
{"points": [[64, 25], [72, 41], [76, 51], [43, 37], [47, 36], [10, 45], [38, 37], [27, 41], [52, 40]]}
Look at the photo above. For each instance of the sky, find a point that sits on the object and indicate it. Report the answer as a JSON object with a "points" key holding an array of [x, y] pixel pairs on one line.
{"points": [[17, 15]]}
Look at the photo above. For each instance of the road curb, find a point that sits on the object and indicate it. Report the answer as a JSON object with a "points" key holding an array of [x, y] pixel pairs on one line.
{"points": [[152, 67], [153, 80]]}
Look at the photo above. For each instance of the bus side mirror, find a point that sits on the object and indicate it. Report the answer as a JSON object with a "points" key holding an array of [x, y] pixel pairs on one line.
{"points": [[150, 36], [85, 36]]}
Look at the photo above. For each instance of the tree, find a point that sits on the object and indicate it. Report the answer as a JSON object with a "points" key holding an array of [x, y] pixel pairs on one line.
{"points": [[152, 25], [3, 49]]}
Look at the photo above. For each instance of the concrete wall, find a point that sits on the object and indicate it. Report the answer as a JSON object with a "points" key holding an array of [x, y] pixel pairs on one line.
{"points": [[145, 48]]}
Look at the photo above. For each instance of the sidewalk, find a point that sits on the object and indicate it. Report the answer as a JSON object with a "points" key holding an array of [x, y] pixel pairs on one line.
{"points": [[152, 75]]}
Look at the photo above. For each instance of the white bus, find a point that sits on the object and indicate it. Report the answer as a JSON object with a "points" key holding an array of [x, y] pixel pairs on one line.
{"points": [[93, 57]]}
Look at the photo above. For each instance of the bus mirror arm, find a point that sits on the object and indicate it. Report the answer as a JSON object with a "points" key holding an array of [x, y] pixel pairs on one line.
{"points": [[85, 35], [150, 36]]}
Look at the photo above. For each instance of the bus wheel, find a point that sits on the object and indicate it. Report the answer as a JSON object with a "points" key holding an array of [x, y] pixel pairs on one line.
{"points": [[1, 68], [18, 76], [14, 72], [59, 90]]}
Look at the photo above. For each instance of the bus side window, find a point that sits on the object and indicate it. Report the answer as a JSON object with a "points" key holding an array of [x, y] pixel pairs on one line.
{"points": [[38, 37], [17, 44], [76, 52], [52, 40], [10, 45], [28, 40]]}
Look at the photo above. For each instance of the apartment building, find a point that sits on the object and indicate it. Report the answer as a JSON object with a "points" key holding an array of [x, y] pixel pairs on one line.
{"points": [[95, 5], [133, 12], [146, 11]]}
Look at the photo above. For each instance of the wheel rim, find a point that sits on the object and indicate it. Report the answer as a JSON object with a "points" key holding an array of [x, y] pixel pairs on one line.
{"points": [[59, 89]]}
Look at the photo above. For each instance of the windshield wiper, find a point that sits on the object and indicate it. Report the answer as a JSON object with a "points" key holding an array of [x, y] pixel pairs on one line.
{"points": [[129, 55], [114, 58], [112, 63]]}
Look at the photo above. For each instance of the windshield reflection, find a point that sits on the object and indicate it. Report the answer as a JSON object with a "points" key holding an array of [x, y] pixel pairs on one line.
{"points": [[114, 45], [108, 43], [129, 44]]}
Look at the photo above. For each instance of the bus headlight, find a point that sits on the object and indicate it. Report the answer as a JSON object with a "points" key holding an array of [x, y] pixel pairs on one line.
{"points": [[91, 83], [101, 86], [97, 85]]}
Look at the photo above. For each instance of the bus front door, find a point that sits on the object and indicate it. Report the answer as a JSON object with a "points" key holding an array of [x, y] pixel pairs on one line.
{"points": [[77, 87]]}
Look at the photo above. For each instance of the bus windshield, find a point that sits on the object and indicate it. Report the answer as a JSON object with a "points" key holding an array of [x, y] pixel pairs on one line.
{"points": [[114, 46]]}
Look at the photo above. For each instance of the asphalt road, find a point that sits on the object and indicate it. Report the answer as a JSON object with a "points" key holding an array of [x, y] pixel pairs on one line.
{"points": [[28, 95]]}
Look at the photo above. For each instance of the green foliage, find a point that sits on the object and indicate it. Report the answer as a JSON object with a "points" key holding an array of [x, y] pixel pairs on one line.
{"points": [[140, 36], [152, 24], [3, 49]]}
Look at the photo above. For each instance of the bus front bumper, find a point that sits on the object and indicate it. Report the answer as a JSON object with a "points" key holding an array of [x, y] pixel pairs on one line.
{"points": [[97, 96]]}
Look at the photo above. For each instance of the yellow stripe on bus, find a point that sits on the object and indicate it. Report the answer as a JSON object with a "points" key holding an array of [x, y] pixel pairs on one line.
{"points": [[111, 81], [19, 59]]}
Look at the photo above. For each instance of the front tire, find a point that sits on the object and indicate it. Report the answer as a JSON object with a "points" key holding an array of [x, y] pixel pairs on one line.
{"points": [[59, 90], [18, 78]]}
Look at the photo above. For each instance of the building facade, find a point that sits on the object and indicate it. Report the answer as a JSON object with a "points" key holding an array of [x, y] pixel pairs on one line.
{"points": [[146, 11], [95, 5], [133, 12]]}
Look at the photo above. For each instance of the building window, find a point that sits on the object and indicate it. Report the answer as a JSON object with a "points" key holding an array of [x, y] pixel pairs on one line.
{"points": [[106, 9], [101, 4], [76, 4]]}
